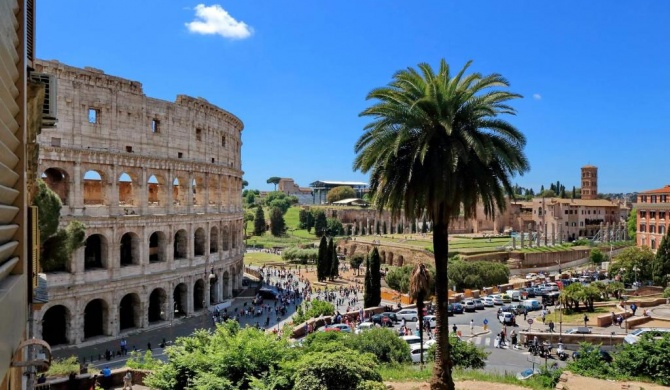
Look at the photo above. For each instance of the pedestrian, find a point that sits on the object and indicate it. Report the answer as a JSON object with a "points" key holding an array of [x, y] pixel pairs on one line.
{"points": [[586, 319], [551, 326], [633, 308], [128, 381], [149, 346], [613, 319], [496, 343], [514, 339], [455, 328], [472, 326]]}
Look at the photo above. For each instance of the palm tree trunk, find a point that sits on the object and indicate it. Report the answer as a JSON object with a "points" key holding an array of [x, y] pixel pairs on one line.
{"points": [[442, 379], [419, 307]]}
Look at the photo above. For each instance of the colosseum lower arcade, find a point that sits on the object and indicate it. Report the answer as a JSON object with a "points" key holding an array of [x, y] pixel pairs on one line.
{"points": [[158, 187]]}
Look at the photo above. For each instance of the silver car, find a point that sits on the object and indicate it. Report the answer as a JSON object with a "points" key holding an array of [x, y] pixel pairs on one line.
{"points": [[479, 305]]}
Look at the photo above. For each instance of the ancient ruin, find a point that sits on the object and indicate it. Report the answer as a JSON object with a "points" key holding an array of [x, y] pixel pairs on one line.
{"points": [[158, 186]]}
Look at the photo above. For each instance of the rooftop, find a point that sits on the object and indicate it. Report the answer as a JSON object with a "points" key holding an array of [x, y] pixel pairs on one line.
{"points": [[664, 190]]}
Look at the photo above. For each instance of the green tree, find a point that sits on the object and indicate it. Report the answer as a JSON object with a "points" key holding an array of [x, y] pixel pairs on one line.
{"points": [[281, 200], [334, 227], [375, 293], [274, 180], [277, 223], [631, 224], [633, 264], [322, 261], [661, 263], [437, 145], [666, 292], [574, 193], [320, 223], [248, 217], [335, 370], [245, 183], [356, 261], [259, 222], [367, 285], [596, 256], [303, 215], [616, 289], [334, 262], [339, 193]]}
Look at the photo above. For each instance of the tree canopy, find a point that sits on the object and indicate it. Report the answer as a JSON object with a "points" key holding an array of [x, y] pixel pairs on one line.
{"points": [[259, 222], [277, 224], [339, 193], [631, 224], [274, 180]]}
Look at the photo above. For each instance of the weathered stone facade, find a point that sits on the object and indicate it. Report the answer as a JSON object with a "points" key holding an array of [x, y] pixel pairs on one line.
{"points": [[158, 187]]}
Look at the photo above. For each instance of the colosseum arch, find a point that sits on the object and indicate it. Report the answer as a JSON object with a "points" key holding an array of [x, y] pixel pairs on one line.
{"points": [[214, 193], [180, 245], [226, 238], [214, 240], [156, 191], [94, 188], [198, 186], [157, 247], [158, 306], [127, 183], [199, 295], [383, 256], [96, 316], [180, 299], [179, 191], [390, 259], [96, 252], [199, 241], [226, 284], [129, 252], [58, 181], [56, 325], [213, 287], [400, 261], [233, 236], [130, 313]]}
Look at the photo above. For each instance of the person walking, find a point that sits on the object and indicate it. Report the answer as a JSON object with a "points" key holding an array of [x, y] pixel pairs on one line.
{"points": [[551, 326], [472, 326], [128, 381], [514, 339], [586, 319]]}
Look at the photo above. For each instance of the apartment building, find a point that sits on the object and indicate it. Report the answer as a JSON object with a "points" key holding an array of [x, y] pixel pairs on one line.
{"points": [[653, 207]]}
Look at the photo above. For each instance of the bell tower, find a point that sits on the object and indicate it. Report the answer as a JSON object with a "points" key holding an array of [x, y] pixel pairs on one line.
{"points": [[589, 182]]}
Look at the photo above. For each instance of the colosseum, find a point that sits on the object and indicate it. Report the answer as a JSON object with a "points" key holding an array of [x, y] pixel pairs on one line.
{"points": [[158, 186]]}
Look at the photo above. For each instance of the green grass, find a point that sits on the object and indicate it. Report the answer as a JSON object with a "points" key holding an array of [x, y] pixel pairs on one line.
{"points": [[578, 317], [261, 258], [413, 373]]}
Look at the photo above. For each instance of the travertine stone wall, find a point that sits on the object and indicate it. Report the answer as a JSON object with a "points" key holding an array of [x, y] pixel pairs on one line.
{"points": [[158, 186]]}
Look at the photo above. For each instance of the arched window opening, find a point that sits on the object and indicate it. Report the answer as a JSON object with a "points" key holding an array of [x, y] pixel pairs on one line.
{"points": [[157, 306], [95, 252], [129, 251], [126, 190], [214, 240], [94, 193], [57, 180], [157, 244], [199, 295], [179, 191], [180, 297], [199, 242], [129, 312], [95, 318], [180, 245], [56, 325]]}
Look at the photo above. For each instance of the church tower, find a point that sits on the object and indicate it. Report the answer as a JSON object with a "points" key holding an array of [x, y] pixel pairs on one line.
{"points": [[589, 182]]}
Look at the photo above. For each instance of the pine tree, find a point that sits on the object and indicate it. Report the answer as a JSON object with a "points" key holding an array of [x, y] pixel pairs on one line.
{"points": [[574, 192], [375, 276], [661, 264], [334, 262], [413, 226], [320, 223], [327, 267], [259, 221], [321, 271]]}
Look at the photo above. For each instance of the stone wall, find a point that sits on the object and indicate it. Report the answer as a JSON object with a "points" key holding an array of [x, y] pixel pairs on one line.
{"points": [[158, 186]]}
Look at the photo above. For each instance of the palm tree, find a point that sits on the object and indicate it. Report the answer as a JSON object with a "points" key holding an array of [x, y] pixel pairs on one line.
{"points": [[436, 145], [419, 289]]}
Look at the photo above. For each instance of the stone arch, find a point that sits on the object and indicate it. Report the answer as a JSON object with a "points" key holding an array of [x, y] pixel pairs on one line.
{"points": [[179, 191], [58, 181], [129, 252], [156, 190], [226, 284], [96, 316], [199, 295], [199, 241], [157, 247], [158, 306], [126, 186], [226, 238], [213, 287], [56, 325], [383, 256], [390, 258], [96, 252], [198, 187], [214, 240], [180, 299], [213, 193], [130, 313], [400, 261], [180, 245], [94, 188]]}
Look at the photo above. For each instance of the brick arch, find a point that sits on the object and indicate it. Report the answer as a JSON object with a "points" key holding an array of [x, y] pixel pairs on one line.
{"points": [[179, 189], [129, 190], [390, 258], [58, 180], [157, 189], [400, 261], [95, 186], [383, 256]]}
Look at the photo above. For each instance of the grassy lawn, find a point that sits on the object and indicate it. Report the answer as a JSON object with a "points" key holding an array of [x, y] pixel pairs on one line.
{"points": [[577, 318], [413, 373], [260, 258]]}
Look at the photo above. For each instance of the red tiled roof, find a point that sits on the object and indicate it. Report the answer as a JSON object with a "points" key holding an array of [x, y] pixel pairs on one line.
{"points": [[664, 190]]}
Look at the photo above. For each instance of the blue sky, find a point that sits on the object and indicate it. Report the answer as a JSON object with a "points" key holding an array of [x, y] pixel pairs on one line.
{"points": [[595, 75]]}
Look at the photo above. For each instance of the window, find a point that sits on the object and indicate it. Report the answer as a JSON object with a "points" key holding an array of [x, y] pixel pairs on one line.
{"points": [[223, 141], [567, 224], [661, 229], [652, 214], [653, 244], [653, 199], [661, 214], [129, 149], [643, 214], [581, 223], [155, 126], [213, 160], [55, 142], [664, 198], [180, 155], [643, 228], [652, 228], [93, 115], [198, 134], [566, 212]]}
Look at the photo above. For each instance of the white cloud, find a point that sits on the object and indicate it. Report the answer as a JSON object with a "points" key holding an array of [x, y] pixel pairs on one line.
{"points": [[537, 96], [214, 19]]}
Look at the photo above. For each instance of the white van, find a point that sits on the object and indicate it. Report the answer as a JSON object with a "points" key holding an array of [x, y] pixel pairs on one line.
{"points": [[532, 304], [514, 294]]}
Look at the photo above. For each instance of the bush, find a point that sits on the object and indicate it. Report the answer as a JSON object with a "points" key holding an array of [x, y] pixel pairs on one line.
{"points": [[340, 370], [64, 367], [315, 309], [647, 358], [591, 363], [381, 342], [143, 362], [666, 292], [463, 354]]}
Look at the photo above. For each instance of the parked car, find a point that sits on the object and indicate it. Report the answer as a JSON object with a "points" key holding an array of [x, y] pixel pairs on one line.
{"points": [[497, 300], [362, 327], [507, 318], [506, 298], [415, 353], [338, 328], [635, 335], [469, 305], [384, 319], [408, 315], [458, 308], [531, 276], [580, 330], [450, 309], [488, 302], [514, 294], [479, 305], [267, 293], [413, 341], [532, 304]]}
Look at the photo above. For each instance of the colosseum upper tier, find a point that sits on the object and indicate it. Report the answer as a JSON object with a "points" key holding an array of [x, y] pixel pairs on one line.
{"points": [[158, 186]]}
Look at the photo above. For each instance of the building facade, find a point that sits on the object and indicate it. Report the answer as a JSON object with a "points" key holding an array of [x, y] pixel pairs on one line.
{"points": [[157, 185], [653, 213]]}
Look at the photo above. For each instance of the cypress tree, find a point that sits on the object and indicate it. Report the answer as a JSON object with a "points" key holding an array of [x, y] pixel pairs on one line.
{"points": [[321, 260], [320, 223], [368, 284], [334, 262], [327, 272], [660, 266], [375, 278], [259, 221]]}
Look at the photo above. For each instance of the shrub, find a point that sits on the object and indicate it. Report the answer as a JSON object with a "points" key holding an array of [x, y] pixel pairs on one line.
{"points": [[666, 292], [143, 362], [591, 363], [647, 358], [340, 370], [383, 343], [463, 354], [314, 309], [63, 367]]}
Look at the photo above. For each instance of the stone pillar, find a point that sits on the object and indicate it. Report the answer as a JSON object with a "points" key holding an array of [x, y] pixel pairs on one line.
{"points": [[545, 231], [112, 191], [522, 232], [207, 189], [553, 234], [77, 189], [189, 193], [189, 296], [144, 192], [208, 286], [169, 201], [113, 319], [169, 313]]}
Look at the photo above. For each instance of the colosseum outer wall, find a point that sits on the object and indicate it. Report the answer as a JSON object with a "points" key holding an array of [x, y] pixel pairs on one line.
{"points": [[158, 187]]}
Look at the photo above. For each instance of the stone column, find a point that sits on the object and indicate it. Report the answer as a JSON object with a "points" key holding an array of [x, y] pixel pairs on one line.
{"points": [[112, 190], [77, 197], [169, 313], [189, 296], [144, 192], [553, 234], [207, 189], [522, 233], [545, 231], [113, 319], [189, 193]]}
